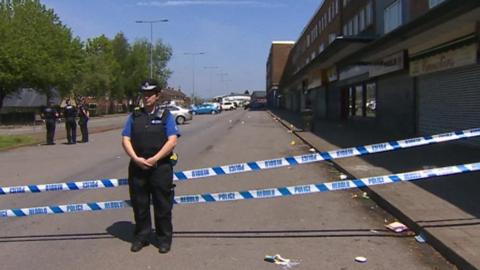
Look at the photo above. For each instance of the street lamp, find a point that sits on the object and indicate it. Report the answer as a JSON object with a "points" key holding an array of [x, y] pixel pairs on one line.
{"points": [[193, 54], [211, 68], [151, 40]]}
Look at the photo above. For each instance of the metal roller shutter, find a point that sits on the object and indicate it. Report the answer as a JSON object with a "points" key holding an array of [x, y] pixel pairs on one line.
{"points": [[449, 100]]}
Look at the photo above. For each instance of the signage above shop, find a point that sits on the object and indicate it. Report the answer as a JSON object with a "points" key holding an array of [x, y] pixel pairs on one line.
{"points": [[388, 64], [465, 55], [353, 71]]}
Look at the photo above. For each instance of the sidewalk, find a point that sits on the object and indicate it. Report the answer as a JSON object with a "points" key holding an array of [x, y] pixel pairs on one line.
{"points": [[445, 209]]}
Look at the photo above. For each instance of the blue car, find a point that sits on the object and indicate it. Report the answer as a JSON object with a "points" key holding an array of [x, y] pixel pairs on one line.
{"points": [[205, 109]]}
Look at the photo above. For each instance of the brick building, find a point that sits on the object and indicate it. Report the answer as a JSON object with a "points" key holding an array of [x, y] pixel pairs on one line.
{"points": [[399, 65]]}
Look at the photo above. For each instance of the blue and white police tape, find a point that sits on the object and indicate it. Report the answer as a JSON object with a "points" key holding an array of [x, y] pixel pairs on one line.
{"points": [[88, 184], [256, 165], [253, 194], [329, 155]]}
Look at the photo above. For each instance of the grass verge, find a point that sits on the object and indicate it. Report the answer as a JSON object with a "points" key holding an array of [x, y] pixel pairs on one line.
{"points": [[10, 141]]}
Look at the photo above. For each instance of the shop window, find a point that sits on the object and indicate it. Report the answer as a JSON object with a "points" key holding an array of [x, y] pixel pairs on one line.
{"points": [[362, 100], [371, 100]]}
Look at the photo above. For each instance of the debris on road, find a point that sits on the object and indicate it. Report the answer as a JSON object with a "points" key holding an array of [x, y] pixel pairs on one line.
{"points": [[343, 176], [365, 196], [420, 238], [396, 227], [279, 260], [360, 259]]}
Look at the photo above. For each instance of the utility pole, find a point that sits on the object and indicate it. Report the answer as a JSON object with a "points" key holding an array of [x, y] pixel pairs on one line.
{"points": [[151, 40], [193, 54]]}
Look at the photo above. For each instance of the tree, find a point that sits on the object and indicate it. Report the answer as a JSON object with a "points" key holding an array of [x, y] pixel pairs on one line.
{"points": [[36, 49], [161, 55], [99, 69], [121, 50]]}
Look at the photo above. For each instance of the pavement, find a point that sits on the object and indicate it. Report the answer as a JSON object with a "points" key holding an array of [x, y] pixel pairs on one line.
{"points": [[443, 209]]}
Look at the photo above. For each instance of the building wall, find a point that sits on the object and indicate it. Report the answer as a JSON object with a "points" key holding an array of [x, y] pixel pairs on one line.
{"points": [[280, 54]]}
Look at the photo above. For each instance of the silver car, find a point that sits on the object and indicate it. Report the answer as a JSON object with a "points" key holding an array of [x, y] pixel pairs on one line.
{"points": [[179, 113]]}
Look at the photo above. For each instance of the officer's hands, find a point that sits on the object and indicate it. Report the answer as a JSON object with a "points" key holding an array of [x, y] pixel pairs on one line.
{"points": [[152, 161], [142, 163]]}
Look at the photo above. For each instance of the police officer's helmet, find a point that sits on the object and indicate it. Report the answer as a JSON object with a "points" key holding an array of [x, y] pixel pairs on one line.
{"points": [[149, 85]]}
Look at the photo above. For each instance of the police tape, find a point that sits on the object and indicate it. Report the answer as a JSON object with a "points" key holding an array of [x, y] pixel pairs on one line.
{"points": [[256, 165], [252, 194]]}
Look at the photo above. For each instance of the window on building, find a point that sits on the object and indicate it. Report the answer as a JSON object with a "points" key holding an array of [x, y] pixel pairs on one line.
{"points": [[369, 14], [350, 27], [433, 3], [345, 33], [329, 13], [393, 16], [308, 41], [336, 6], [313, 55], [321, 48], [362, 100], [370, 100], [358, 108], [331, 37], [361, 23], [345, 2], [355, 25]]}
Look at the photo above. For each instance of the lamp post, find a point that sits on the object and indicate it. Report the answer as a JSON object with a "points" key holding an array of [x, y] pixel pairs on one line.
{"points": [[151, 22], [193, 54], [211, 68]]}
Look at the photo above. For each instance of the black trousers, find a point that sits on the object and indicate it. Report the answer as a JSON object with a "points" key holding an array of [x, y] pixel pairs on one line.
{"points": [[71, 127], [84, 129], [50, 123], [157, 184]]}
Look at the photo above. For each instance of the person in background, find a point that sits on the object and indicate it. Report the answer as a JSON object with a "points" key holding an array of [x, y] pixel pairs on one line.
{"points": [[50, 114], [149, 137], [70, 113], [83, 116]]}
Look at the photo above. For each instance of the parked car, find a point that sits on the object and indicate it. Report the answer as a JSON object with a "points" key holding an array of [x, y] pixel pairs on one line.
{"points": [[217, 105], [180, 114], [228, 106], [205, 109]]}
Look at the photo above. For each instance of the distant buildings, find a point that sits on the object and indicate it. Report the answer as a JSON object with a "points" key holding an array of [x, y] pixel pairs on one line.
{"points": [[406, 66]]}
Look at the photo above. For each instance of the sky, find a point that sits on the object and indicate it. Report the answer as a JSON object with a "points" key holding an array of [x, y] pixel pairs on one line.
{"points": [[234, 35]]}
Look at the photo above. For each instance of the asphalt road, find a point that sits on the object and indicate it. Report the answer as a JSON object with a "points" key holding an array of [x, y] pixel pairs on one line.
{"points": [[320, 231]]}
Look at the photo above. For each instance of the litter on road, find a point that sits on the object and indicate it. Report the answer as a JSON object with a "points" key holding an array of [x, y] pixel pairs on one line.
{"points": [[396, 227]]}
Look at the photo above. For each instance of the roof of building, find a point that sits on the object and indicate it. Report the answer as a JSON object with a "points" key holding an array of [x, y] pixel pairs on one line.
{"points": [[283, 42], [28, 97]]}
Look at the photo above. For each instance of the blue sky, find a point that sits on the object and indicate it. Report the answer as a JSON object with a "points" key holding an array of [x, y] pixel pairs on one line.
{"points": [[234, 34]]}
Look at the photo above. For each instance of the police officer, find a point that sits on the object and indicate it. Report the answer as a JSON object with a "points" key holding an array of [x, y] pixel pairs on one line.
{"points": [[83, 116], [149, 137], [70, 113], [50, 115]]}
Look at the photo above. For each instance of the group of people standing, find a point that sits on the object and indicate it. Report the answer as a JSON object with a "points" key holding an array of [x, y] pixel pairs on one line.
{"points": [[70, 113]]}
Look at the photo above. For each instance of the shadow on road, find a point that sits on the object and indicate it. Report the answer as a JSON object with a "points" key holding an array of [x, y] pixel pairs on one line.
{"points": [[123, 230]]}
